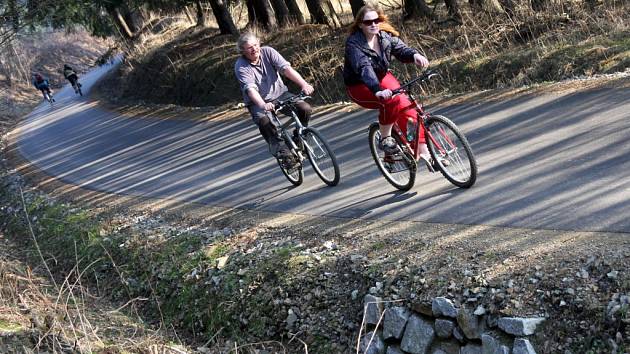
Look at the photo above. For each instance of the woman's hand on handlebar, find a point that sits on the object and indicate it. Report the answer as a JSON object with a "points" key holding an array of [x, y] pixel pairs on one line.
{"points": [[420, 60], [384, 94]]}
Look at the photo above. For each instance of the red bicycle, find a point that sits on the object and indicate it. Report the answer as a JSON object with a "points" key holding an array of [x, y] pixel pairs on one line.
{"points": [[450, 151]]}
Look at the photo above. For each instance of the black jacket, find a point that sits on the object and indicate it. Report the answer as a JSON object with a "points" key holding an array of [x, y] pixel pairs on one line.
{"points": [[364, 65]]}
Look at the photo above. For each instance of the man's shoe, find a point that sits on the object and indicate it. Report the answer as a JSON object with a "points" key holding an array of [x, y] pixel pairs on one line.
{"points": [[388, 144], [286, 158]]}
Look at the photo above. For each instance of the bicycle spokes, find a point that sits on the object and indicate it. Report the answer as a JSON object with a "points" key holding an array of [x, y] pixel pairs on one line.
{"points": [[451, 152], [397, 168], [321, 157]]}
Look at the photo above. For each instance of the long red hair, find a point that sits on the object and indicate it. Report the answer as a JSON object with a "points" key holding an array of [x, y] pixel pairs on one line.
{"points": [[383, 26]]}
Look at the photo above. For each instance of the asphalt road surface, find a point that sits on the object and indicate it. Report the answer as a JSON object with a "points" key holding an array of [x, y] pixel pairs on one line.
{"points": [[557, 161]]}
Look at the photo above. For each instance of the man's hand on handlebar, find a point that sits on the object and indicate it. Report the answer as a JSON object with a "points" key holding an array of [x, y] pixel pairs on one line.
{"points": [[307, 89], [268, 106]]}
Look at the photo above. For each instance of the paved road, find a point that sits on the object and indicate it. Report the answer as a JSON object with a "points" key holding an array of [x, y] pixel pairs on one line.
{"points": [[559, 161]]}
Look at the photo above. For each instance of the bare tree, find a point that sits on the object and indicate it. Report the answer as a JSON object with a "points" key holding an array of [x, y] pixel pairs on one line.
{"points": [[201, 18], [486, 5], [416, 9], [223, 17], [261, 13], [295, 14], [251, 13], [282, 12], [538, 5], [322, 12], [453, 11], [12, 12], [123, 28], [356, 5]]}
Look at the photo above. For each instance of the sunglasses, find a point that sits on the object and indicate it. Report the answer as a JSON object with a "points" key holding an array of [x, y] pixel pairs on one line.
{"points": [[375, 21]]}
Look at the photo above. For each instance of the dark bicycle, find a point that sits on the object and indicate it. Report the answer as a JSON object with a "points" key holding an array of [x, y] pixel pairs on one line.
{"points": [[306, 142], [450, 151], [76, 85]]}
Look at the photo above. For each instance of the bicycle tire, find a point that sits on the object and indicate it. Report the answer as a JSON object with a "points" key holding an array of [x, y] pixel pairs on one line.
{"points": [[401, 173], [50, 100], [297, 177], [461, 169], [321, 156]]}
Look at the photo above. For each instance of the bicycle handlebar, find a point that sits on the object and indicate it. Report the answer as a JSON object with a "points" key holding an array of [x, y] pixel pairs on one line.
{"points": [[427, 75], [299, 97]]}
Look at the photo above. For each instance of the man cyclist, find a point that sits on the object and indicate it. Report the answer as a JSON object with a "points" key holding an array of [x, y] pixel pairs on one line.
{"points": [[41, 83], [71, 76], [258, 72]]}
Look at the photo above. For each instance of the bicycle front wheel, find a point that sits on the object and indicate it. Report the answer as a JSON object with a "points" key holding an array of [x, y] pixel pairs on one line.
{"points": [[451, 152], [321, 156], [398, 169]]}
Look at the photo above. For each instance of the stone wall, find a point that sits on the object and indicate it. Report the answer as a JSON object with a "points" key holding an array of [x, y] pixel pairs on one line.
{"points": [[441, 328]]}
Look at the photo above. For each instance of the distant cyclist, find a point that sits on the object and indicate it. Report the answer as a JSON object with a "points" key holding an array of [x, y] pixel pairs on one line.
{"points": [[71, 76], [41, 83]]}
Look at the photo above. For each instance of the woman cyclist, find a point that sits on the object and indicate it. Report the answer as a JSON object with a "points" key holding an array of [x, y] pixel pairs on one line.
{"points": [[369, 49], [41, 83]]}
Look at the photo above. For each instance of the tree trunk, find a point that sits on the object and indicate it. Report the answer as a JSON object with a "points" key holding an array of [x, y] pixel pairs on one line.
{"points": [[13, 15], [538, 5], [187, 13], [120, 22], [317, 12], [223, 17], [486, 5], [356, 5], [416, 9], [263, 14], [295, 14], [31, 9], [282, 12], [201, 18], [453, 10], [251, 13], [331, 14]]}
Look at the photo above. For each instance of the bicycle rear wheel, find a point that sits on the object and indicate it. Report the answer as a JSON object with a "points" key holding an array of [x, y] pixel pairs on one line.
{"points": [[321, 156], [398, 169], [295, 175], [451, 152]]}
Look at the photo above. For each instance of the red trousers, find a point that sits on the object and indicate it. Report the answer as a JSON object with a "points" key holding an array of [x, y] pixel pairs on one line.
{"points": [[393, 110]]}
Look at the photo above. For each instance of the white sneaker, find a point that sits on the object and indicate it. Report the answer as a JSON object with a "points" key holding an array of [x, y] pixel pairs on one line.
{"points": [[388, 144]]}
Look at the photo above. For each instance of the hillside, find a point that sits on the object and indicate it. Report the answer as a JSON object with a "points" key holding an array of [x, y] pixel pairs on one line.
{"points": [[193, 67]]}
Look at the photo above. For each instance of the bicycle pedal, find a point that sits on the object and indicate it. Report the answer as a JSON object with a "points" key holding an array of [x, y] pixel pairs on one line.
{"points": [[293, 169]]}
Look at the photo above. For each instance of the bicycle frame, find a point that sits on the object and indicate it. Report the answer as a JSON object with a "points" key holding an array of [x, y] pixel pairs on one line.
{"points": [[294, 119], [422, 117]]}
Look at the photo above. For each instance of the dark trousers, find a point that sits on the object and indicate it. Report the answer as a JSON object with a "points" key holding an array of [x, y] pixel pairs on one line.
{"points": [[268, 129]]}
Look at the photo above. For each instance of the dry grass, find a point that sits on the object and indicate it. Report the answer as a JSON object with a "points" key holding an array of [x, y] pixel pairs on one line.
{"points": [[44, 314]]}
